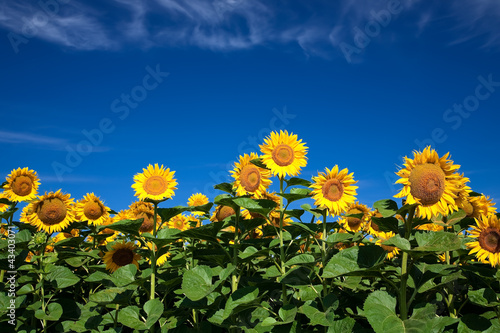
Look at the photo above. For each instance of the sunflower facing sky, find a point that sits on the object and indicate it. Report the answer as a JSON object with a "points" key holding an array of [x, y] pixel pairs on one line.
{"points": [[91, 209], [197, 199], [284, 154], [486, 245], [249, 178], [52, 212], [121, 255], [155, 183], [430, 181], [22, 185], [334, 190]]}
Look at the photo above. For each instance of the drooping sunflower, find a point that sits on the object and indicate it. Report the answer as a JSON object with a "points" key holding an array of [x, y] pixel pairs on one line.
{"points": [[334, 190], [22, 185], [353, 223], [52, 212], [479, 205], [249, 178], [391, 250], [430, 181], [121, 255], [155, 183], [221, 213], [91, 209], [486, 247], [284, 154], [180, 222], [144, 210], [197, 199]]}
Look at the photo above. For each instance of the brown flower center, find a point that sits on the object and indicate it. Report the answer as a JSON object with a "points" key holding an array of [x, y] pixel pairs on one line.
{"points": [[489, 239], [51, 211], [22, 185], [427, 183], [333, 189], [155, 185], [250, 178], [223, 212], [147, 224], [354, 222], [123, 257], [93, 210], [283, 155], [388, 248]]}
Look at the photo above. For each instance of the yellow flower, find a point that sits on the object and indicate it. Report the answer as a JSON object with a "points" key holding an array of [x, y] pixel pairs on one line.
{"points": [[391, 250], [283, 154], [155, 183], [430, 181], [221, 213], [334, 190], [52, 212], [121, 255], [480, 205], [372, 227], [197, 199], [160, 260], [91, 209], [121, 215], [144, 210], [486, 247], [179, 222], [22, 185], [249, 178], [430, 227], [3, 206], [355, 224]]}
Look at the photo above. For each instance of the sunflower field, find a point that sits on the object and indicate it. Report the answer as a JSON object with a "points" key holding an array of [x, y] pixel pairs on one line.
{"points": [[306, 258]]}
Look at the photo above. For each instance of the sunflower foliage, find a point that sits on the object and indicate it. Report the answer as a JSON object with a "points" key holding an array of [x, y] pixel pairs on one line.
{"points": [[306, 257]]}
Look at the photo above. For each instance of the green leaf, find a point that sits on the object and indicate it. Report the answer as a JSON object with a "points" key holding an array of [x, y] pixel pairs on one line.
{"points": [[238, 298], [129, 316], [197, 283], [205, 232], [258, 162], [296, 194], [380, 310], [97, 276], [167, 213], [343, 325], [298, 181], [386, 207], [431, 241], [112, 295], [485, 297], [472, 323], [124, 275], [55, 311], [125, 226], [387, 223], [287, 313], [295, 213], [301, 259], [399, 242], [261, 206], [318, 213], [353, 260], [154, 309], [62, 277]]}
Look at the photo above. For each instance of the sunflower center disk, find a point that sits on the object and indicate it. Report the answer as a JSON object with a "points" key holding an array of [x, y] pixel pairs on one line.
{"points": [[354, 222], [333, 189], [93, 210], [155, 185], [490, 240], [250, 178], [147, 224], [123, 257], [283, 155], [52, 211], [427, 183], [22, 185]]}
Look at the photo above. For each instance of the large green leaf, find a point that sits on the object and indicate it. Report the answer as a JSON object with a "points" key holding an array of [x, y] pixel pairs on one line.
{"points": [[399, 242], [112, 295], [380, 310], [485, 297], [62, 277], [303, 258], [298, 181], [240, 298], [125, 226], [386, 223], [197, 283], [386, 207], [261, 206], [124, 275], [154, 310], [431, 241], [353, 260], [129, 316], [54, 312]]}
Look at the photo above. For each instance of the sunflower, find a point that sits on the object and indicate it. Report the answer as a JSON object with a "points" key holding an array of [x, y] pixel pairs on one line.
{"points": [[487, 244], [352, 223], [121, 255], [144, 210], [250, 178], [221, 213], [160, 260], [480, 205], [180, 222], [283, 154], [22, 185], [193, 221], [91, 209], [197, 199], [391, 250], [52, 212], [430, 227], [121, 215], [430, 181], [334, 190], [155, 183], [3, 206]]}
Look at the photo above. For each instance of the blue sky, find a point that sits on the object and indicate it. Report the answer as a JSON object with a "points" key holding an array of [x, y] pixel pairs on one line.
{"points": [[91, 92]]}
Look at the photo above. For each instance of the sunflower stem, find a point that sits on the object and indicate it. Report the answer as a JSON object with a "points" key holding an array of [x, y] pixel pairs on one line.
{"points": [[153, 260], [282, 248], [234, 281], [323, 251], [403, 306]]}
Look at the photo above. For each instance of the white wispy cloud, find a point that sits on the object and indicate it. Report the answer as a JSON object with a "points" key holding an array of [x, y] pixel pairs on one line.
{"points": [[225, 25]]}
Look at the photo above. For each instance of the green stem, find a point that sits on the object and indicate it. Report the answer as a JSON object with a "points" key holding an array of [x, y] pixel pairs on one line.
{"points": [[282, 248], [117, 307], [323, 252], [403, 305], [42, 291], [153, 260], [234, 281]]}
